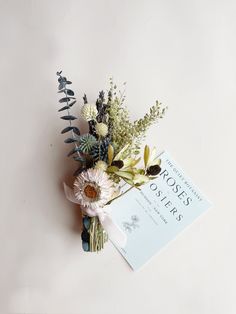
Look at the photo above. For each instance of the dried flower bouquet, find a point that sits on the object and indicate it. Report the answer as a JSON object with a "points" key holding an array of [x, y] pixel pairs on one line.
{"points": [[107, 157]]}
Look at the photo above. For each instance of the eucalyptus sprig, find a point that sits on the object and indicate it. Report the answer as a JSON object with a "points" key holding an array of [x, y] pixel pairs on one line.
{"points": [[69, 100]]}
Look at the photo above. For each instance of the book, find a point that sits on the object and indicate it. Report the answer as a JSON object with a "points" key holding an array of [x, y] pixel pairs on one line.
{"points": [[158, 212]]}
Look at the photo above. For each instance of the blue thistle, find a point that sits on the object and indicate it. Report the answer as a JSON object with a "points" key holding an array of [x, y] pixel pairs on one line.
{"points": [[86, 143], [100, 153]]}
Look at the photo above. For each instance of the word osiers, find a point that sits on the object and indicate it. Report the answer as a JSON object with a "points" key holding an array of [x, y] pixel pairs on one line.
{"points": [[176, 189]]}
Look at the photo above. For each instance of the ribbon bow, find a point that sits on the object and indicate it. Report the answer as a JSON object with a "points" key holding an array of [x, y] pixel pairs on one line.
{"points": [[115, 233]]}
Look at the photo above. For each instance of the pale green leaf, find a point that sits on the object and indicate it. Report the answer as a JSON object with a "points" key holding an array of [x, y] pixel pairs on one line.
{"points": [[119, 155], [124, 174], [146, 155], [112, 169], [110, 154]]}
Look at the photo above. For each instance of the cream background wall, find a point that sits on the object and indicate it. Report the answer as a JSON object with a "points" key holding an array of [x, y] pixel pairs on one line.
{"points": [[181, 52]]}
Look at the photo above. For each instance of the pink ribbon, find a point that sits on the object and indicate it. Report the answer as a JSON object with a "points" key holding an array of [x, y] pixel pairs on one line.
{"points": [[115, 233]]}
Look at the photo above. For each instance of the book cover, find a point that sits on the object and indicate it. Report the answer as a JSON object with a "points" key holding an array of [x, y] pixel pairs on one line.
{"points": [[156, 214]]}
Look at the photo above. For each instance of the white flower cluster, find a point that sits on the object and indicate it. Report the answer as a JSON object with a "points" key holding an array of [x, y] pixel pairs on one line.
{"points": [[89, 112]]}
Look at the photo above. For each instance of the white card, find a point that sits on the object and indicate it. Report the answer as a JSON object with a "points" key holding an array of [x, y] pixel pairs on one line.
{"points": [[158, 213]]}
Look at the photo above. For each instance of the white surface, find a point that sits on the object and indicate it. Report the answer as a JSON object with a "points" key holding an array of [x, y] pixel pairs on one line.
{"points": [[181, 52]]}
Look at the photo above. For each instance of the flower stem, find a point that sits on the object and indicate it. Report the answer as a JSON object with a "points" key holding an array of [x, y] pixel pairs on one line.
{"points": [[115, 198], [99, 147], [98, 235]]}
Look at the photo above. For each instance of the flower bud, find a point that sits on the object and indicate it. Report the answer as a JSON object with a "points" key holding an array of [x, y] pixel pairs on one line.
{"points": [[101, 129]]}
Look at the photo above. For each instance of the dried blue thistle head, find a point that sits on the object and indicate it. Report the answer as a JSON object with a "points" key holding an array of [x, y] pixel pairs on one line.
{"points": [[100, 150], [86, 143]]}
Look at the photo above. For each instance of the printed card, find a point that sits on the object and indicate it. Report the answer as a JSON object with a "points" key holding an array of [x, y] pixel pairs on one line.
{"points": [[156, 214]]}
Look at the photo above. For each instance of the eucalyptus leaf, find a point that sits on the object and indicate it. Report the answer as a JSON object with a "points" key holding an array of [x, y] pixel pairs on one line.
{"points": [[67, 129], [72, 103], [76, 158], [64, 108], [70, 92], [61, 85], [69, 117], [86, 222], [70, 140], [64, 99], [73, 151], [85, 246], [62, 79], [76, 130]]}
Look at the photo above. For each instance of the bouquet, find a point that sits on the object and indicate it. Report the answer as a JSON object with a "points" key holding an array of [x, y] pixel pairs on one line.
{"points": [[108, 159]]}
